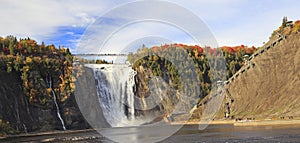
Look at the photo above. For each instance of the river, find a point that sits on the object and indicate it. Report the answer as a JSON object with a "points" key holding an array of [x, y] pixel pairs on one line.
{"points": [[187, 134]]}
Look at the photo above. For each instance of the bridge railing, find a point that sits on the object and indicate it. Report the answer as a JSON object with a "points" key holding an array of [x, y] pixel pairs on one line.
{"points": [[123, 55]]}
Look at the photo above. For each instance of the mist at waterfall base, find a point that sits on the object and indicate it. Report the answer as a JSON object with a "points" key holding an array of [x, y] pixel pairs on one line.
{"points": [[115, 86]]}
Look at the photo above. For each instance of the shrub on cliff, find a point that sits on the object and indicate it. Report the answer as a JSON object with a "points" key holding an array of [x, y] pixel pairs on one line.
{"points": [[5, 128]]}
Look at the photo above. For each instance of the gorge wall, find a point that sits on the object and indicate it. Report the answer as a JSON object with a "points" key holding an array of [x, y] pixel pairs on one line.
{"points": [[271, 88], [23, 116]]}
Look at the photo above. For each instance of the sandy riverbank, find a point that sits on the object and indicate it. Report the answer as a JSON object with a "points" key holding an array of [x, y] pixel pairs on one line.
{"points": [[243, 123], [215, 122], [267, 122]]}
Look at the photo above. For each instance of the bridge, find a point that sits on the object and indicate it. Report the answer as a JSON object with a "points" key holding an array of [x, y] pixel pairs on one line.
{"points": [[86, 55]]}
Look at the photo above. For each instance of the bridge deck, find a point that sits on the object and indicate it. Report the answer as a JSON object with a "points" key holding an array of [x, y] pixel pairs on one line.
{"points": [[123, 55]]}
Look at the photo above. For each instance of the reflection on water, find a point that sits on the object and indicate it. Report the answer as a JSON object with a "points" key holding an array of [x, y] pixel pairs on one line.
{"points": [[144, 134], [189, 133], [229, 133]]}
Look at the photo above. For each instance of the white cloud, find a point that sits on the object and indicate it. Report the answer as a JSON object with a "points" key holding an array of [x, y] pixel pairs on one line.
{"points": [[233, 22], [167, 16], [84, 19], [254, 24], [135, 32], [31, 18], [41, 18]]}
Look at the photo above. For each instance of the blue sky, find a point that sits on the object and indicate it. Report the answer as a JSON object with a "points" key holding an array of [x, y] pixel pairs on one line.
{"points": [[62, 22], [65, 36]]}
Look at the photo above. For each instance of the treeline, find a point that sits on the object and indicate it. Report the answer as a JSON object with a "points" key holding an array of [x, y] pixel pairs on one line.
{"points": [[92, 61], [160, 61], [43, 69], [286, 28]]}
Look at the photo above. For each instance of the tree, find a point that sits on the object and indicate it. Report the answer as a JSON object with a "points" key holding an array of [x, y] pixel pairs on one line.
{"points": [[36, 64], [284, 21], [11, 49]]}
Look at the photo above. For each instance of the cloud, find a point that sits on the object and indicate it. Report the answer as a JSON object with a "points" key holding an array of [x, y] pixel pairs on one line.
{"points": [[31, 18], [143, 19], [41, 19], [67, 36], [254, 22], [233, 22]]}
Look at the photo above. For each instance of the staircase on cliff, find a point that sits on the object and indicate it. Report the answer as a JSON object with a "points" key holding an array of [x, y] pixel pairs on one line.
{"points": [[270, 88], [249, 64]]}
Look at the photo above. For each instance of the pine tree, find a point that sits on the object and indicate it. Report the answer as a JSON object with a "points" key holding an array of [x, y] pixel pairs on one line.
{"points": [[11, 49], [284, 21]]}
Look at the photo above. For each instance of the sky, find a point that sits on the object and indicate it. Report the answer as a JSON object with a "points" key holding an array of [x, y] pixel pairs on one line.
{"points": [[64, 22]]}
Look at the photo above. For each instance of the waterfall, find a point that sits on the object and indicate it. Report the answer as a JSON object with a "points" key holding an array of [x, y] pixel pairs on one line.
{"points": [[17, 112], [25, 128], [56, 105], [115, 88]]}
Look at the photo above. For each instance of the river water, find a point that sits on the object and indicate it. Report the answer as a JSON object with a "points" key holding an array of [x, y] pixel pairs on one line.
{"points": [[188, 134]]}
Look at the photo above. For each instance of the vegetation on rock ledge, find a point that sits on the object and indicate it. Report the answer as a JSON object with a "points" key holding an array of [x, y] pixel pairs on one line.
{"points": [[42, 68], [158, 65]]}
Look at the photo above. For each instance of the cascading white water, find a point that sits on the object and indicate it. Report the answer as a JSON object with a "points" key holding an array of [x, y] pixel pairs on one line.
{"points": [[115, 88], [56, 105], [25, 128]]}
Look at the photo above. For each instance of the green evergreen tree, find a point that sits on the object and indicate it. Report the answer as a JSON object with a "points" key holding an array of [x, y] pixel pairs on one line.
{"points": [[11, 49], [284, 21]]}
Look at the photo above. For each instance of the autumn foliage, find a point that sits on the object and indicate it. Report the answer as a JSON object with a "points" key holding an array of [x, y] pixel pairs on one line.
{"points": [[41, 68], [159, 66]]}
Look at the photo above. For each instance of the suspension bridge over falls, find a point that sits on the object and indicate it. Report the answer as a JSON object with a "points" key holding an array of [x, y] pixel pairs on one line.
{"points": [[86, 55]]}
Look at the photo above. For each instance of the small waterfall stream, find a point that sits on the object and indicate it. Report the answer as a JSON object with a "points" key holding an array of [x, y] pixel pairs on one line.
{"points": [[25, 128], [56, 105]]}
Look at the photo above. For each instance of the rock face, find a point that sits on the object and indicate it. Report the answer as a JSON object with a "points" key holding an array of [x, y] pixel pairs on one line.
{"points": [[24, 116], [88, 101], [161, 102], [271, 88]]}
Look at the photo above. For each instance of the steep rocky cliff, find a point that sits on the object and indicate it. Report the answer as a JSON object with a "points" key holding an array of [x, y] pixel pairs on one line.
{"points": [[23, 116], [271, 88]]}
